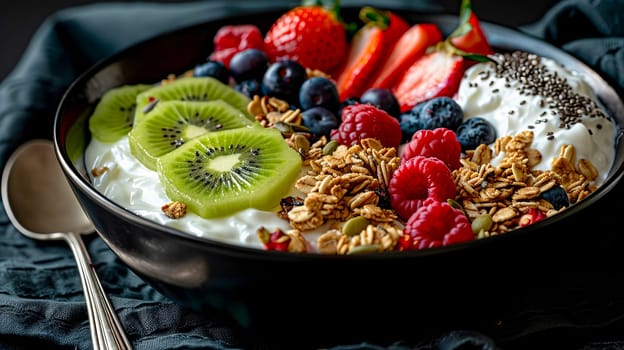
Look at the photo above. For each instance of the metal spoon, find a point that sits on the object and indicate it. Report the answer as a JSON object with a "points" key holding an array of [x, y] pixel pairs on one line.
{"points": [[41, 205]]}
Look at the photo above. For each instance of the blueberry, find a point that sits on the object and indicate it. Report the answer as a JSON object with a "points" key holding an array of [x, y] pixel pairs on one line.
{"points": [[249, 88], [410, 123], [557, 196], [382, 99], [249, 64], [283, 79], [319, 91], [212, 69], [319, 120], [474, 131], [418, 108], [441, 112]]}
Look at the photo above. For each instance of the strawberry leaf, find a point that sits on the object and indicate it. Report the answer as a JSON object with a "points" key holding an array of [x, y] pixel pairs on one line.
{"points": [[478, 58], [447, 46], [371, 15], [464, 26]]}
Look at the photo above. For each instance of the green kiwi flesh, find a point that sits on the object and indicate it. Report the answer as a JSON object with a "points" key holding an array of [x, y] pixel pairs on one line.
{"points": [[218, 174], [113, 116], [173, 123], [190, 89]]}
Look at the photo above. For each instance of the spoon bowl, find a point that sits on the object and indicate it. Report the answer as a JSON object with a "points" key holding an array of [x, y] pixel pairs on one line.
{"points": [[39, 201], [41, 205]]}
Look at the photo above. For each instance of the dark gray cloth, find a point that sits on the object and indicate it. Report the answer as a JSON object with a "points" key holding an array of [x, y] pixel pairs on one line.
{"points": [[41, 300]]}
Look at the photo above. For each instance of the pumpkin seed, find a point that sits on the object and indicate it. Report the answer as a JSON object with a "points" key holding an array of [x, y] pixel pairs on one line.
{"points": [[366, 248], [330, 147], [285, 128], [355, 225], [482, 223]]}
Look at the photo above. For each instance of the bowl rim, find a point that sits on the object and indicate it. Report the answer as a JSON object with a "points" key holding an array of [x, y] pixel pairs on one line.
{"points": [[499, 36]]}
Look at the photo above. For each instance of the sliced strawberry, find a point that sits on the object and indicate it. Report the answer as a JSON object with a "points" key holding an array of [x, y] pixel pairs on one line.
{"points": [[469, 36], [364, 54], [369, 48], [410, 46], [435, 74], [392, 24]]}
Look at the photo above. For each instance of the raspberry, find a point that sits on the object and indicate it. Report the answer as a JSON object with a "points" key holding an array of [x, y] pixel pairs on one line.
{"points": [[232, 39], [440, 143], [362, 120], [418, 179], [436, 224]]}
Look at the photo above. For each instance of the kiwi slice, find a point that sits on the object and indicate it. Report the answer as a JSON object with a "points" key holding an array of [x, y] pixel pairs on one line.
{"points": [[173, 123], [114, 113], [220, 173], [190, 89]]}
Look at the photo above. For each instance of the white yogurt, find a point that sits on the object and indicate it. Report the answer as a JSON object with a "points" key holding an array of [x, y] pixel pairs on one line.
{"points": [[499, 100], [136, 188]]}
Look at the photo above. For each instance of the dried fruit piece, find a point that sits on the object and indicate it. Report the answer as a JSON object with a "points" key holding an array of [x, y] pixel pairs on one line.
{"points": [[276, 240], [532, 216]]}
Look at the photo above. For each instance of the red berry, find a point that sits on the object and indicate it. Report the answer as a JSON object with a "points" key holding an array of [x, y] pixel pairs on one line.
{"points": [[232, 39], [436, 224], [311, 35], [432, 75], [532, 216], [418, 179], [362, 120], [276, 240], [440, 143]]}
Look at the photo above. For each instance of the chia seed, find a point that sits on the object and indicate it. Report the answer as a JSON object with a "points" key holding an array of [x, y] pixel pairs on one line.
{"points": [[534, 79]]}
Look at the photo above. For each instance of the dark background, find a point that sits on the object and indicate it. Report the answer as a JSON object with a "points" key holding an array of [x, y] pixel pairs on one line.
{"points": [[20, 19]]}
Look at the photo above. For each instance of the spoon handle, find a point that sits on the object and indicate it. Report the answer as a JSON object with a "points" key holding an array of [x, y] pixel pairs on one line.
{"points": [[106, 330]]}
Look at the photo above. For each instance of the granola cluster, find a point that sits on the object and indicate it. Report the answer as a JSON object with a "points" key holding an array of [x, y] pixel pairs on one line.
{"points": [[510, 189], [349, 183], [271, 111]]}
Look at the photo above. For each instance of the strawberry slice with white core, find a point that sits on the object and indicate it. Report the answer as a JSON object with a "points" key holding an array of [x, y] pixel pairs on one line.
{"points": [[435, 74], [365, 52], [410, 46]]}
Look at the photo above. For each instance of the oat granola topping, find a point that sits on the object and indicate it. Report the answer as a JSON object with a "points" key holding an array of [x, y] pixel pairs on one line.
{"points": [[510, 189], [174, 209], [99, 171]]}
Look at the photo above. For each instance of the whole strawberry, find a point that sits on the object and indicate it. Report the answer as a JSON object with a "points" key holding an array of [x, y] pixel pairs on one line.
{"points": [[362, 120], [313, 35]]}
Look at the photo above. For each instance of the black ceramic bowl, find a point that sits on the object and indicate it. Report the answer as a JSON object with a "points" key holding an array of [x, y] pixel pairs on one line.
{"points": [[280, 294]]}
